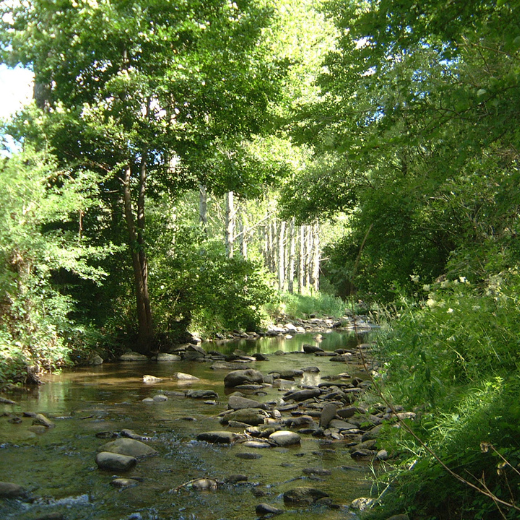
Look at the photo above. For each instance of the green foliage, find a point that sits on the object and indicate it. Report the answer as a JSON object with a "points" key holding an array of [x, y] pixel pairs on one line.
{"points": [[199, 288], [295, 306], [39, 236], [454, 358]]}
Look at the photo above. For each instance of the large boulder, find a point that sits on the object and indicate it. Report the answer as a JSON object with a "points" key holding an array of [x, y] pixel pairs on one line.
{"points": [[241, 377], [311, 349], [115, 461], [128, 447]]}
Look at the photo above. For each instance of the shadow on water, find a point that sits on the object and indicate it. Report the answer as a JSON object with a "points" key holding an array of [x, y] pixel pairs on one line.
{"points": [[57, 465]]}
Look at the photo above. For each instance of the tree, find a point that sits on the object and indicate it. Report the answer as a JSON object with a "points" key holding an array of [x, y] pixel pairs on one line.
{"points": [[135, 84], [41, 207]]}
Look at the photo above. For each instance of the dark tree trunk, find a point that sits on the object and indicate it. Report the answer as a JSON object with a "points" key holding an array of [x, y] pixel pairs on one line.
{"points": [[138, 253]]}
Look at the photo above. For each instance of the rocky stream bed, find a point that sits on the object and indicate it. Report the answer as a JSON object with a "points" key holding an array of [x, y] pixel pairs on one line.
{"points": [[244, 429]]}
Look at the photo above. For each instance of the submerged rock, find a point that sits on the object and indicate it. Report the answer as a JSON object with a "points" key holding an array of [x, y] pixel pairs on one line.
{"points": [[202, 394], [124, 482], [181, 376], [303, 495], [238, 403], [163, 357]]}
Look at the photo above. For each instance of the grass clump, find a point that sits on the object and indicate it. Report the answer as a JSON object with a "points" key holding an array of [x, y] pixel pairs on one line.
{"points": [[294, 306]]}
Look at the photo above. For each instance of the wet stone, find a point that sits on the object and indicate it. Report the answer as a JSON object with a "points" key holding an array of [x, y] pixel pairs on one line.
{"points": [[129, 447], [266, 509], [217, 437], [10, 490], [115, 461], [248, 456], [124, 482]]}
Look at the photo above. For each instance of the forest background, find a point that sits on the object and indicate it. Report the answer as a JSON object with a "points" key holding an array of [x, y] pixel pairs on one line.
{"points": [[186, 167]]}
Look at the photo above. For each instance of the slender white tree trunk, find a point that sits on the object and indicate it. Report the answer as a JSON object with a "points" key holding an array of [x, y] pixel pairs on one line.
{"points": [[230, 224], [292, 254], [301, 261], [316, 256], [203, 208], [281, 256]]}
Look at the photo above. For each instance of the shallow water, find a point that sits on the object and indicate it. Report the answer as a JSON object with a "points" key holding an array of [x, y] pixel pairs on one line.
{"points": [[59, 469]]}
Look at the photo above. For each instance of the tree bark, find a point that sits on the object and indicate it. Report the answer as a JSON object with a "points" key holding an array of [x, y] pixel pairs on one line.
{"points": [[292, 254], [230, 224], [138, 254], [281, 256], [316, 256], [301, 261]]}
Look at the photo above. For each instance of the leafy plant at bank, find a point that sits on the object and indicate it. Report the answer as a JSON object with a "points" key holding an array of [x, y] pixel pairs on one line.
{"points": [[454, 359], [39, 237]]}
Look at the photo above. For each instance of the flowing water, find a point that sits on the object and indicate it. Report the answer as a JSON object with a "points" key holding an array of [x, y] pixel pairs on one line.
{"points": [[59, 470]]}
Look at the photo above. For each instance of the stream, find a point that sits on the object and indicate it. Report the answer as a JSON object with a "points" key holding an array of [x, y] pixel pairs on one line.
{"points": [[57, 465]]}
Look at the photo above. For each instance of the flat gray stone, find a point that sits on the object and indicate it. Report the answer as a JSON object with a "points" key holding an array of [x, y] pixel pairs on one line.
{"points": [[128, 447], [285, 438], [217, 437], [115, 461]]}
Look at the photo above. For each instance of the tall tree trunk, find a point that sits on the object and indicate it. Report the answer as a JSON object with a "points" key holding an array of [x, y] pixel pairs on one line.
{"points": [[281, 256], [301, 261], [292, 254], [230, 224], [203, 208], [270, 248], [316, 256], [308, 256], [138, 253]]}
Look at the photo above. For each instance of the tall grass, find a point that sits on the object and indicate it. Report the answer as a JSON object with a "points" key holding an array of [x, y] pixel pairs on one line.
{"points": [[293, 306]]}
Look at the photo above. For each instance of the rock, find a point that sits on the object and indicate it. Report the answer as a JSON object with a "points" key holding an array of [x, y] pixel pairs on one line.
{"points": [[311, 349], [133, 356], [256, 444], [224, 365], [362, 503], [151, 379], [382, 455], [10, 490], [303, 495], [204, 484], [285, 438], [251, 416], [202, 394], [130, 434], [164, 357], [235, 479], [266, 509], [115, 461], [217, 437], [288, 374], [148, 400], [317, 471], [42, 420], [160, 398], [302, 395], [38, 429], [328, 413], [312, 370], [236, 402], [342, 425], [181, 376], [95, 359], [128, 447], [260, 357], [399, 517], [124, 482], [4, 400], [346, 413], [296, 422], [240, 377], [51, 516], [372, 434], [248, 456]]}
